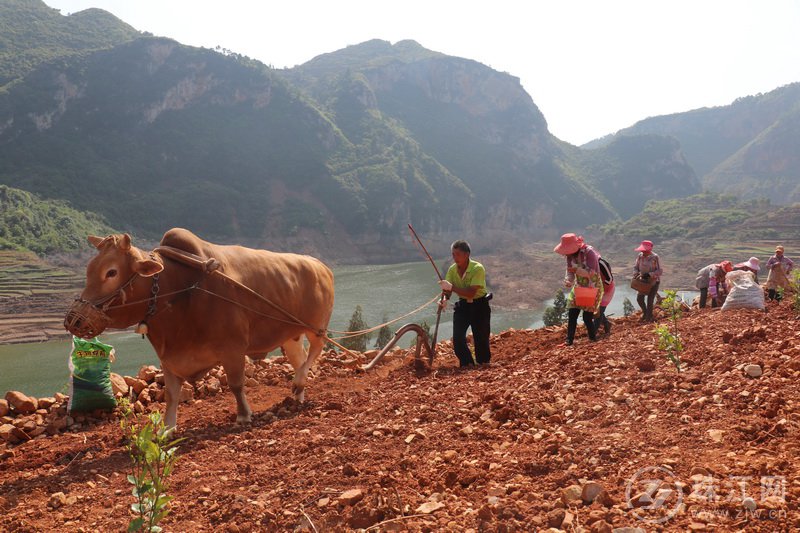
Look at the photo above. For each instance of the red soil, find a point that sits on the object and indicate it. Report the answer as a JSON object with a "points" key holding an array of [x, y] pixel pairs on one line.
{"points": [[491, 449]]}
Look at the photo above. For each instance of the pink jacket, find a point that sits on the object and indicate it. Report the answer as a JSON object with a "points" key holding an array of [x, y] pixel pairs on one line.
{"points": [[608, 294]]}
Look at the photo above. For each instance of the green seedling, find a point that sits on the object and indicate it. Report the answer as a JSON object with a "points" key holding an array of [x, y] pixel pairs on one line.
{"points": [[669, 338], [153, 455], [795, 282]]}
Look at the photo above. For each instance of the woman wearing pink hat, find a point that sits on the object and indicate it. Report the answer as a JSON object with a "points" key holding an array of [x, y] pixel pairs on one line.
{"points": [[647, 268], [711, 279], [751, 265], [583, 270]]}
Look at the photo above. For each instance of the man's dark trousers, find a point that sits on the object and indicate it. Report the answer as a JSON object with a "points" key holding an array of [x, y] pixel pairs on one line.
{"points": [[476, 315]]}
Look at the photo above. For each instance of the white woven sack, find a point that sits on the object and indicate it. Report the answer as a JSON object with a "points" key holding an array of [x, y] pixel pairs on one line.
{"points": [[743, 292]]}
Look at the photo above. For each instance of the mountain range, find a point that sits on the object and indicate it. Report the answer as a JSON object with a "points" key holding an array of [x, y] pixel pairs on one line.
{"points": [[750, 148], [334, 156]]}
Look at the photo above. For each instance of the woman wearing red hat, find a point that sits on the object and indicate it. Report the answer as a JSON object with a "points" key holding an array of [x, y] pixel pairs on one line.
{"points": [[711, 279], [583, 270], [647, 268]]}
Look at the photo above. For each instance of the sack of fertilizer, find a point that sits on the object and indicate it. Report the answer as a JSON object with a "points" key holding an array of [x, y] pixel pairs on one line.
{"points": [[90, 382], [743, 292]]}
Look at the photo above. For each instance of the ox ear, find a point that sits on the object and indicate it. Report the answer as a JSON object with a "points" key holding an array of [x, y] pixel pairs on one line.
{"points": [[96, 241], [147, 267]]}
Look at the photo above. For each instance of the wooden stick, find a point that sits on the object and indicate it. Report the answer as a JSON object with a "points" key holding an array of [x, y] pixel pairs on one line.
{"points": [[309, 520], [414, 233], [396, 519]]}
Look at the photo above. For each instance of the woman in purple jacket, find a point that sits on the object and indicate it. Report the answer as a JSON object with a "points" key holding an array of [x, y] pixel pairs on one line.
{"points": [[647, 268]]}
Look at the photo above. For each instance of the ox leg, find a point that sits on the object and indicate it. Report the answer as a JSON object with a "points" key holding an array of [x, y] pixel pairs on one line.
{"points": [[315, 348], [235, 372], [296, 354], [173, 391]]}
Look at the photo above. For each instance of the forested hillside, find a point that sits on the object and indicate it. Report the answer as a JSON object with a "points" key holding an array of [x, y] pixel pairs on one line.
{"points": [[702, 216], [633, 170], [748, 148], [32, 33], [486, 129], [337, 155], [766, 167], [350, 148], [29, 223]]}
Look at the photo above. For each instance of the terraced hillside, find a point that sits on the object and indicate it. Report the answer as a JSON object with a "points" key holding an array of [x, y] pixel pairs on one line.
{"points": [[33, 296]]}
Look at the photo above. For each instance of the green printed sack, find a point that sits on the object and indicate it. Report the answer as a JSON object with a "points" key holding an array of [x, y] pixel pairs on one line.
{"points": [[90, 366]]}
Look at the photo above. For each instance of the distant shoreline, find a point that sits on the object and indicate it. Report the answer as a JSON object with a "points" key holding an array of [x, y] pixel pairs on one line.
{"points": [[521, 275]]}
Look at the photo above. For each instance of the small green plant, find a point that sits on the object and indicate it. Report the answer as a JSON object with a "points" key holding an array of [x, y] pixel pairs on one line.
{"points": [[779, 292], [795, 282], [425, 326], [669, 338], [627, 307], [556, 313], [153, 456], [125, 413]]}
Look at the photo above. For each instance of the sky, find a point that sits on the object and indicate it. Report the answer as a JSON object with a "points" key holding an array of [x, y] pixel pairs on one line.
{"points": [[592, 67]]}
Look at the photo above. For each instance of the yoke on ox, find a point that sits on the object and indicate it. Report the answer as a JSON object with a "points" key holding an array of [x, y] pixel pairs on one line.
{"points": [[203, 304]]}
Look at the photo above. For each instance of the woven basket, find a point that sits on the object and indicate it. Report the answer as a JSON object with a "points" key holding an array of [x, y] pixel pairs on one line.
{"points": [[641, 286]]}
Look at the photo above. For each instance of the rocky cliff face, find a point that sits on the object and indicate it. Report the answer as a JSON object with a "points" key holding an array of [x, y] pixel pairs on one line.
{"points": [[478, 123], [499, 109], [485, 129]]}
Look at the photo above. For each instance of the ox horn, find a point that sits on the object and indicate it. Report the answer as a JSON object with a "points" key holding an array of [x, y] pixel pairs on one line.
{"points": [[124, 242], [97, 242]]}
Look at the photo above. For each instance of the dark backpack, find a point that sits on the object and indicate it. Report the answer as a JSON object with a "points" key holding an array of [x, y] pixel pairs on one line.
{"points": [[605, 271]]}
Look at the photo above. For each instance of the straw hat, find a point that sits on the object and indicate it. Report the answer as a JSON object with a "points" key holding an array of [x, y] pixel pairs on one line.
{"points": [[646, 246], [570, 243]]}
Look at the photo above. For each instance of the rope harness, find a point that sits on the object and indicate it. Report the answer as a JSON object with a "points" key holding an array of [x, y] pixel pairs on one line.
{"points": [[351, 334]]}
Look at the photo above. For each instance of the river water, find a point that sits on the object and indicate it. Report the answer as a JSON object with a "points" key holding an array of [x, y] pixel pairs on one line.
{"points": [[383, 292]]}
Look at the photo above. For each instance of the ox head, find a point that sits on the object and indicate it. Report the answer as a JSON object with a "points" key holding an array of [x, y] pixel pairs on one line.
{"points": [[115, 268]]}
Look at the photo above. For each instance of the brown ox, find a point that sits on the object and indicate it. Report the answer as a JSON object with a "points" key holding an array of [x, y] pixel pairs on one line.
{"points": [[200, 318]]}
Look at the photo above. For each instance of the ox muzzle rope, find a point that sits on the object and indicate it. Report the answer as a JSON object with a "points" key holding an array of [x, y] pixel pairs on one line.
{"points": [[87, 319]]}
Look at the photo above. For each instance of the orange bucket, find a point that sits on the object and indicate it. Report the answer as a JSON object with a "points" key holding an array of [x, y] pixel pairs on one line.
{"points": [[585, 296]]}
